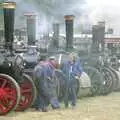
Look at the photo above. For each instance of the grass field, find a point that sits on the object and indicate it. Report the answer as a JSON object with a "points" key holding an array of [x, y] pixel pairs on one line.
{"points": [[90, 108]]}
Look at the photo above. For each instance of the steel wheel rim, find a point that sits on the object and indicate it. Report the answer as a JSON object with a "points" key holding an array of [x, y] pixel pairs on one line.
{"points": [[60, 86], [96, 79], [8, 95], [108, 80], [26, 94], [115, 80]]}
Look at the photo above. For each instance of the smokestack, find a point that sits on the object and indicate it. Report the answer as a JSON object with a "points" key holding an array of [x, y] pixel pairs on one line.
{"points": [[18, 33], [69, 31], [9, 11], [98, 32], [94, 34], [1, 34], [56, 35], [46, 39], [101, 34], [31, 28]]}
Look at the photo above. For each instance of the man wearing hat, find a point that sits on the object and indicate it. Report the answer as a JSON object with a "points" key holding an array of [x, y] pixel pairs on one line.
{"points": [[43, 74], [41, 102]]}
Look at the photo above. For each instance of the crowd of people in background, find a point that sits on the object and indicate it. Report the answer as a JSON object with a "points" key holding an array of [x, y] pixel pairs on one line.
{"points": [[45, 82]]}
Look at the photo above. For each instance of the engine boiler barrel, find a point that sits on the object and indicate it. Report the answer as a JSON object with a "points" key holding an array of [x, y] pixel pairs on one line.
{"points": [[9, 11], [69, 31]]}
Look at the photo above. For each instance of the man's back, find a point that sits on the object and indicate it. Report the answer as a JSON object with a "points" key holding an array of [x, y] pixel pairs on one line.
{"points": [[43, 68]]}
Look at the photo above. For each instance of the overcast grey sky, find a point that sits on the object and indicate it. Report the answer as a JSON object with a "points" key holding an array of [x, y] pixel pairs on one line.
{"points": [[107, 10], [87, 12]]}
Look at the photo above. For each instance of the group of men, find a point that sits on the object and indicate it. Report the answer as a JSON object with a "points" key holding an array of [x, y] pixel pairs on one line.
{"points": [[44, 76]]}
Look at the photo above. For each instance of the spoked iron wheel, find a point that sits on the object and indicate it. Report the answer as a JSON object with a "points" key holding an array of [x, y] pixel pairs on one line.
{"points": [[115, 80], [62, 84], [77, 87], [96, 80], [9, 94], [84, 85], [108, 80], [118, 82], [28, 93]]}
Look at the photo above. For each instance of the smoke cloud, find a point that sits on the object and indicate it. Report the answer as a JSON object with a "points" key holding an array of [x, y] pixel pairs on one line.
{"points": [[86, 12], [106, 10], [48, 12]]}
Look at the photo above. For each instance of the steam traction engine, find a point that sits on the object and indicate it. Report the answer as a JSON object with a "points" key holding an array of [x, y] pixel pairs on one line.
{"points": [[17, 90]]}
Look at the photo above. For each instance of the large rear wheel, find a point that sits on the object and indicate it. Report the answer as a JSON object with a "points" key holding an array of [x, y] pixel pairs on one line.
{"points": [[28, 93], [60, 84], [9, 94], [96, 80], [108, 80], [61, 81]]}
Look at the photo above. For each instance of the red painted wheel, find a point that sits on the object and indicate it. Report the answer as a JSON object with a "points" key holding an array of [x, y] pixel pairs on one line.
{"points": [[28, 93], [9, 94]]}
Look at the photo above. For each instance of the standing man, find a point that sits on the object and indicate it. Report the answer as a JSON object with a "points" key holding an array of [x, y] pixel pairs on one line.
{"points": [[44, 76], [53, 97], [72, 70], [41, 102]]}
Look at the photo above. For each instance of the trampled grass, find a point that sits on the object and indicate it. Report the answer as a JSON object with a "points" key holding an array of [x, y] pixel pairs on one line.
{"points": [[89, 108]]}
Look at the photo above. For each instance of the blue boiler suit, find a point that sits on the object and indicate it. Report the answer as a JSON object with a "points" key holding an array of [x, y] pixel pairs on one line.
{"points": [[71, 70], [44, 73]]}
